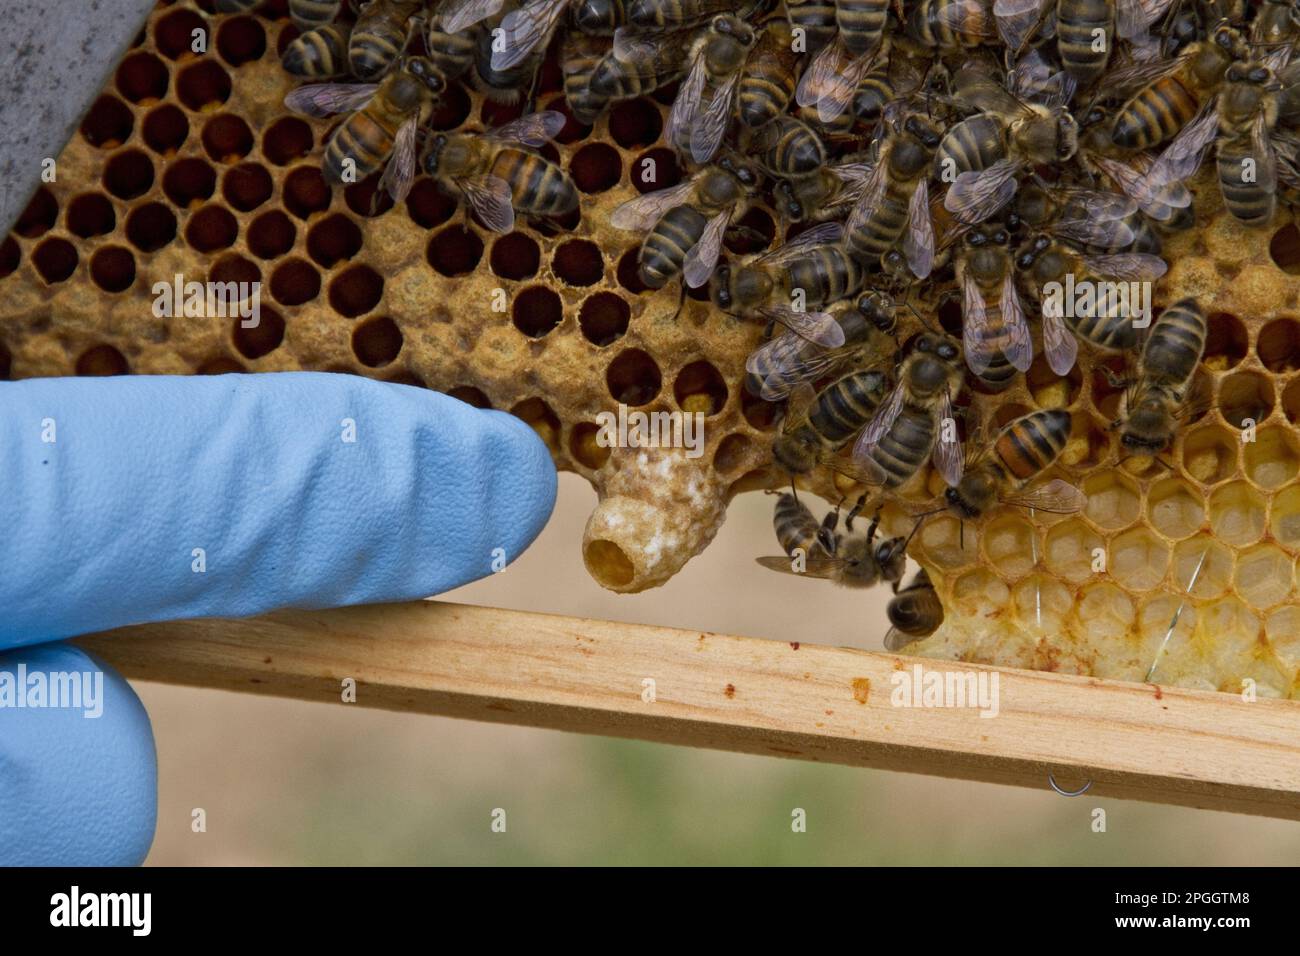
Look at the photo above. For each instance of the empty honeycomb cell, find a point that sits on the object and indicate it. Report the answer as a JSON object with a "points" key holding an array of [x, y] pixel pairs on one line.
{"points": [[1106, 609], [108, 124], [1216, 563], [536, 310], [294, 282], [633, 378], [220, 365], [1278, 346], [946, 544], [376, 342], [572, 131], [596, 167], [1271, 460], [542, 419], [1282, 628], [271, 234], [1139, 559], [635, 123], [151, 226], [608, 564], [211, 228], [286, 140], [90, 214], [203, 84], [493, 113], [981, 593], [1237, 513], [603, 318], [1245, 397], [1210, 454], [10, 255], [1284, 249], [254, 341], [142, 78], [356, 291], [305, 192], [39, 216], [1263, 575], [128, 174], [334, 239], [1175, 508], [1226, 341], [454, 251], [578, 263], [173, 32], [734, 453], [1284, 517], [760, 414], [629, 271], [55, 259], [452, 108], [1042, 603], [235, 268], [227, 138], [188, 182], [112, 268], [753, 232], [1009, 544], [427, 205], [165, 129], [240, 40], [366, 199], [1113, 499], [246, 186], [700, 387], [102, 360], [585, 448], [1072, 550], [470, 396], [515, 255], [655, 170]]}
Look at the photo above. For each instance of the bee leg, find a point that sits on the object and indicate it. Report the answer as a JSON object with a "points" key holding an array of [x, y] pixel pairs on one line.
{"points": [[681, 302], [1113, 380], [855, 511], [871, 528]]}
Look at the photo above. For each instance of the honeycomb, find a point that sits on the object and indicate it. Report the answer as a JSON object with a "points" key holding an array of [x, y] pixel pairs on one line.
{"points": [[189, 164]]}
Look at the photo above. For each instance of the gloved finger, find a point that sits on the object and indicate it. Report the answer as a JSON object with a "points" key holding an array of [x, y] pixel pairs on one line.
{"points": [[78, 774], [142, 498]]}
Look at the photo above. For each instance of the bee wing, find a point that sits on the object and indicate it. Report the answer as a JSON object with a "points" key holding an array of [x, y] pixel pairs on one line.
{"points": [[524, 28], [1112, 233], [1276, 60], [792, 363], [687, 104], [641, 214], [971, 18], [326, 99], [1157, 199], [1020, 353], [832, 79], [796, 248], [814, 566], [1059, 344], [948, 454], [489, 197], [629, 45], [709, 128], [1262, 147], [1016, 19], [1182, 157], [977, 91], [873, 188], [532, 130], [1130, 18], [458, 15], [703, 256], [879, 425], [1056, 497], [1126, 81], [896, 640], [399, 174], [974, 325], [974, 196], [820, 74], [820, 328], [918, 241], [1129, 266]]}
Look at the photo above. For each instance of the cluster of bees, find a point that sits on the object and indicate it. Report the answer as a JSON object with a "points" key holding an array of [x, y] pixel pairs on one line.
{"points": [[979, 149]]}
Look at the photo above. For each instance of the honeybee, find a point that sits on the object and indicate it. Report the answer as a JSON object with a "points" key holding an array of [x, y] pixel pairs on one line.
{"points": [[1099, 221], [687, 222], [1157, 398], [383, 128], [1085, 29], [788, 361], [530, 27], [827, 193], [995, 336], [767, 83], [816, 18], [906, 429], [854, 561], [832, 78], [579, 57], [951, 26], [321, 54], [379, 36], [1021, 451], [452, 53], [982, 155], [671, 14], [1245, 151], [459, 15], [786, 148], [509, 85], [818, 425], [1043, 261], [311, 14], [1277, 21], [641, 63], [914, 613], [895, 200], [717, 57], [495, 176], [788, 284]]}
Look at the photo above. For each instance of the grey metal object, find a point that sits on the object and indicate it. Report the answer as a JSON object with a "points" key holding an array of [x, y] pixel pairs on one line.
{"points": [[54, 58]]}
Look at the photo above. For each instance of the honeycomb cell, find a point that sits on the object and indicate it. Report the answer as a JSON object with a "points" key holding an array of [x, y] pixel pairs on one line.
{"points": [[39, 216], [203, 84], [945, 543], [752, 233], [1278, 346], [334, 239], [633, 378], [1096, 441], [1226, 341], [735, 452], [1210, 454], [629, 271], [271, 234], [603, 318], [542, 419], [1139, 559], [578, 263], [608, 564], [165, 129], [454, 251], [595, 168], [211, 228], [1291, 401], [246, 186], [112, 268], [654, 170], [452, 108], [142, 78], [515, 256], [1105, 610], [1284, 249], [1284, 517], [305, 192], [1105, 386], [760, 415], [1042, 603], [227, 138], [10, 256], [1072, 550], [1245, 397], [700, 387], [376, 342], [286, 140], [90, 214], [173, 33], [108, 124], [55, 259], [1263, 575], [240, 40], [585, 447], [189, 182], [294, 282], [255, 341], [1216, 564], [1175, 508], [427, 205], [102, 360], [151, 226], [1271, 460], [635, 123], [536, 310], [128, 174], [980, 592], [1050, 390], [470, 396], [1282, 628], [1113, 499], [356, 291], [366, 199], [235, 268], [1010, 545], [494, 113], [572, 131], [1237, 513]]}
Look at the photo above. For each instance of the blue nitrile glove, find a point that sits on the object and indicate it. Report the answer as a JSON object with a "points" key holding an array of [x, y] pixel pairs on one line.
{"points": [[135, 499]]}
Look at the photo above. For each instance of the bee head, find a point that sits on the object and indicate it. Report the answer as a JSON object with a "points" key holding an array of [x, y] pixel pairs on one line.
{"points": [[892, 558], [927, 134], [721, 283], [1067, 136], [422, 69], [433, 158], [788, 202], [878, 308]]}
